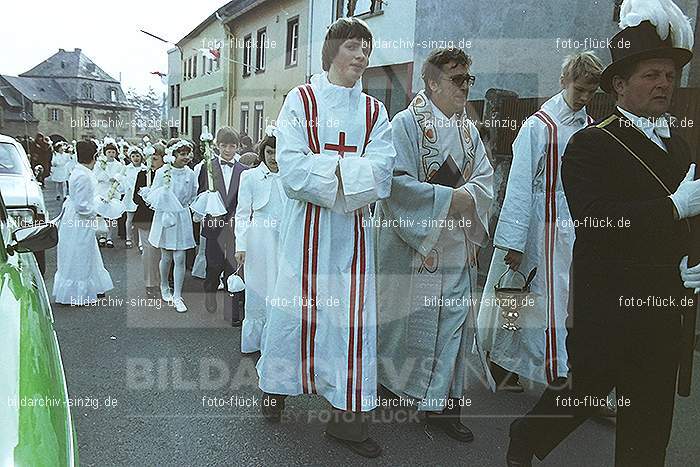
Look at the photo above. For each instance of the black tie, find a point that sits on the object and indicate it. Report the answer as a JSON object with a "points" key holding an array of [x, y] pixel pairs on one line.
{"points": [[228, 164]]}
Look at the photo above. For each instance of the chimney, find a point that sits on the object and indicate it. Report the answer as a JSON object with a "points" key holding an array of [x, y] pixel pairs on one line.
{"points": [[61, 50], [77, 50]]}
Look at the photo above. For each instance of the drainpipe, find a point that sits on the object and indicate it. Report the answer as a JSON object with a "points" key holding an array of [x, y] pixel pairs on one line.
{"points": [[308, 42]]}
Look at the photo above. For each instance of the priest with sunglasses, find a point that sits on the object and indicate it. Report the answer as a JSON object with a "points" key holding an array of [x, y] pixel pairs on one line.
{"points": [[429, 233]]}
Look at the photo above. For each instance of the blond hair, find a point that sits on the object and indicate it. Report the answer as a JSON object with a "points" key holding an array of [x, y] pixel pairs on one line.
{"points": [[585, 66]]}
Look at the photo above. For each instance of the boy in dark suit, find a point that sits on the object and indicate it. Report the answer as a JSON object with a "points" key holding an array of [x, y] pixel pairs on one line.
{"points": [[219, 231]]}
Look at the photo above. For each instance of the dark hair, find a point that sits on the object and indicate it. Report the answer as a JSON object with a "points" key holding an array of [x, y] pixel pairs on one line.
{"points": [[227, 135], [432, 68], [340, 31], [87, 150], [246, 141], [625, 72], [266, 141]]}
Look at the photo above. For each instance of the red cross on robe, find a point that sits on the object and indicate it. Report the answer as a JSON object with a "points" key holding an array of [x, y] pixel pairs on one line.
{"points": [[340, 148]]}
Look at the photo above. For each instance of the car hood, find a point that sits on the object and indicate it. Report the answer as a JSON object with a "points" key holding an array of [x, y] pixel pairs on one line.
{"points": [[14, 190], [18, 191]]}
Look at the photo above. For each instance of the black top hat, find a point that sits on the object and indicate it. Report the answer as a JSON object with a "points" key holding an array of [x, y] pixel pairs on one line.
{"points": [[642, 42]]}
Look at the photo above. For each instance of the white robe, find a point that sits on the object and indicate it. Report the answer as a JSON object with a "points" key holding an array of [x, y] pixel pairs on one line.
{"points": [[534, 190], [106, 174], [130, 173], [320, 335], [258, 216], [80, 273], [199, 268], [60, 167]]}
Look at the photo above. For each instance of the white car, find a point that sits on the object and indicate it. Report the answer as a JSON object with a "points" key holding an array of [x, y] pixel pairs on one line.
{"points": [[20, 189]]}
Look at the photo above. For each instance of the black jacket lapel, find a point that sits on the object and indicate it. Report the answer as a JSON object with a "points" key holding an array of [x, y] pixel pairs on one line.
{"points": [[666, 165], [218, 178]]}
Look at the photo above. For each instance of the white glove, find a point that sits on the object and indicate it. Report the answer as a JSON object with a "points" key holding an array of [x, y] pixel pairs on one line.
{"points": [[690, 276], [687, 196]]}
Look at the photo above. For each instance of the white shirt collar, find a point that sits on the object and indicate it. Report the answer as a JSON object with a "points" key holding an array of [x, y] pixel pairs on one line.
{"points": [[336, 93], [561, 110], [653, 129]]}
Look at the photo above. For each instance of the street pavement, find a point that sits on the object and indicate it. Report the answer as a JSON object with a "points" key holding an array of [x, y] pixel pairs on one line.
{"points": [[154, 387]]}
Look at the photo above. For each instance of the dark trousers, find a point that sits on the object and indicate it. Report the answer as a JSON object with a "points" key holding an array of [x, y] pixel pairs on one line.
{"points": [[342, 424], [220, 258], [640, 362]]}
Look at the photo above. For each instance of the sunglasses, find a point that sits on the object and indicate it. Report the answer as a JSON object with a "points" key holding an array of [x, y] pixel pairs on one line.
{"points": [[460, 78]]}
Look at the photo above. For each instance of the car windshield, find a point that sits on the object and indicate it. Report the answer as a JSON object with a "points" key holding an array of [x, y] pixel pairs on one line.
{"points": [[10, 160]]}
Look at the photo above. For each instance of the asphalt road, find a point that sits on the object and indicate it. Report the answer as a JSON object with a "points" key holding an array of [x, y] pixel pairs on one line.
{"points": [[146, 380]]}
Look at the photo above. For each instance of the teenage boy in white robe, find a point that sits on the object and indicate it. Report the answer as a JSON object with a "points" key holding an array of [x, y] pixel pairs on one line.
{"points": [[335, 158], [528, 236], [426, 256], [535, 231]]}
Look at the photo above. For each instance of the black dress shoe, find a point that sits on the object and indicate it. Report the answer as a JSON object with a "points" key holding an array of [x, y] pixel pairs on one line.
{"points": [[367, 448], [519, 451], [513, 386], [237, 323], [210, 301], [452, 427]]}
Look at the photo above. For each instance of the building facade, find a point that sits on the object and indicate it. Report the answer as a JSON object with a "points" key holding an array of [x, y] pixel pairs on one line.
{"points": [[173, 97], [200, 86], [270, 59], [520, 46], [69, 98]]}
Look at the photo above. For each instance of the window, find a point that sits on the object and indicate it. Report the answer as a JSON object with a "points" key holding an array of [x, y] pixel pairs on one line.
{"points": [[177, 93], [172, 95], [55, 115], [88, 91], [205, 62], [194, 67], [206, 115], [88, 116], [112, 94], [213, 119], [247, 52], [259, 122], [184, 70], [348, 8], [187, 119], [182, 119], [261, 46], [292, 55], [244, 119]]}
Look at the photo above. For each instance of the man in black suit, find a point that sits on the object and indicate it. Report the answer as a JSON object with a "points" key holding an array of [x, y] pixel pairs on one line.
{"points": [[629, 183], [219, 231]]}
